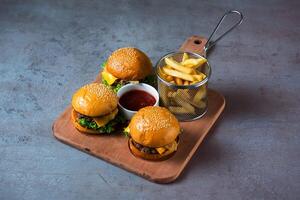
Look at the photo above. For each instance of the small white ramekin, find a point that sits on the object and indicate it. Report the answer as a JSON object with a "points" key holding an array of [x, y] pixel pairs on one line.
{"points": [[140, 86]]}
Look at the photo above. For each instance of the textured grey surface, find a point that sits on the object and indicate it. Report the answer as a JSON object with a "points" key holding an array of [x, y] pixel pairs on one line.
{"points": [[50, 48]]}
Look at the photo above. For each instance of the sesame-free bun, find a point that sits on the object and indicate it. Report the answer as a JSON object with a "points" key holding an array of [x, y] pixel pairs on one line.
{"points": [[129, 64], [154, 126], [94, 100], [155, 157], [79, 127]]}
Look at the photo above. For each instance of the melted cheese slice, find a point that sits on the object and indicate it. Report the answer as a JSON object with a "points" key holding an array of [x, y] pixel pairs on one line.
{"points": [[168, 148], [127, 129], [110, 79], [101, 121]]}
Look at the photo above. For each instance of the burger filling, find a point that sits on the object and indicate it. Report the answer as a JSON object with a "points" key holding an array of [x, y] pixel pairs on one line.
{"points": [[144, 149], [167, 149], [103, 124]]}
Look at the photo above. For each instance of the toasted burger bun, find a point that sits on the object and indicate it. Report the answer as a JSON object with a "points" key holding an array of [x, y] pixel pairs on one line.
{"points": [[129, 64], [154, 127], [94, 100], [155, 157], [79, 127]]}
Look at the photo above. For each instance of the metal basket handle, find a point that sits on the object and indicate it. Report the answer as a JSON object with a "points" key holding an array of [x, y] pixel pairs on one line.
{"points": [[210, 43]]}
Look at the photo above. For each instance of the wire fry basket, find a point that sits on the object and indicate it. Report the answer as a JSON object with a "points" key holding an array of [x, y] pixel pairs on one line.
{"points": [[189, 102], [186, 102]]}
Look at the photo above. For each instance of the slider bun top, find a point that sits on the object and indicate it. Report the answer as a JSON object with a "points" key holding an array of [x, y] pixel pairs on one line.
{"points": [[129, 64], [154, 126], [94, 100]]}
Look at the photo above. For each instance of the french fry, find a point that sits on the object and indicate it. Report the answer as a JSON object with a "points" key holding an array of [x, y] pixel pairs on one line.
{"points": [[161, 73], [171, 94], [175, 65], [184, 104], [179, 110], [168, 67], [178, 74], [169, 78], [184, 57], [194, 62], [178, 81], [201, 104], [199, 77], [182, 95], [173, 82], [163, 90], [186, 83], [194, 72], [199, 95]]}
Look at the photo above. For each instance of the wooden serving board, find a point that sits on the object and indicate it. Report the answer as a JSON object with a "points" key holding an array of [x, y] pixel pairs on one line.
{"points": [[114, 148]]}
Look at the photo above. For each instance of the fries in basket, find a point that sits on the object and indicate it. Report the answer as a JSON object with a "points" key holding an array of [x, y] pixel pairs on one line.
{"points": [[186, 70], [183, 73]]}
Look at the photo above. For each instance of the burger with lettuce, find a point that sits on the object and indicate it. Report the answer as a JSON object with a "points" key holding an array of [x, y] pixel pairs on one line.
{"points": [[95, 109]]}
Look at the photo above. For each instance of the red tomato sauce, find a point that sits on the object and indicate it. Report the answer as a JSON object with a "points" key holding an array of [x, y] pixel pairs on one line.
{"points": [[136, 99]]}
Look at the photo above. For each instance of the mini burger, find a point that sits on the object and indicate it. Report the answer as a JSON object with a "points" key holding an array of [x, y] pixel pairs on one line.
{"points": [[127, 65], [153, 133], [95, 109]]}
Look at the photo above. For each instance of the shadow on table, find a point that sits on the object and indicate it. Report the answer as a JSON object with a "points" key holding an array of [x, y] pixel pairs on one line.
{"points": [[241, 104], [207, 154]]}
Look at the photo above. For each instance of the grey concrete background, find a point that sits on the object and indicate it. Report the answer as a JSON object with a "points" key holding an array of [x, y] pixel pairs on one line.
{"points": [[50, 48]]}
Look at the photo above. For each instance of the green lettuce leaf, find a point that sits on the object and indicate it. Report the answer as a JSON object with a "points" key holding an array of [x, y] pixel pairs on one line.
{"points": [[103, 64], [105, 82], [126, 133], [117, 87]]}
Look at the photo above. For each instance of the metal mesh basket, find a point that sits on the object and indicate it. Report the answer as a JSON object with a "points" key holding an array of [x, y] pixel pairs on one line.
{"points": [[186, 102]]}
